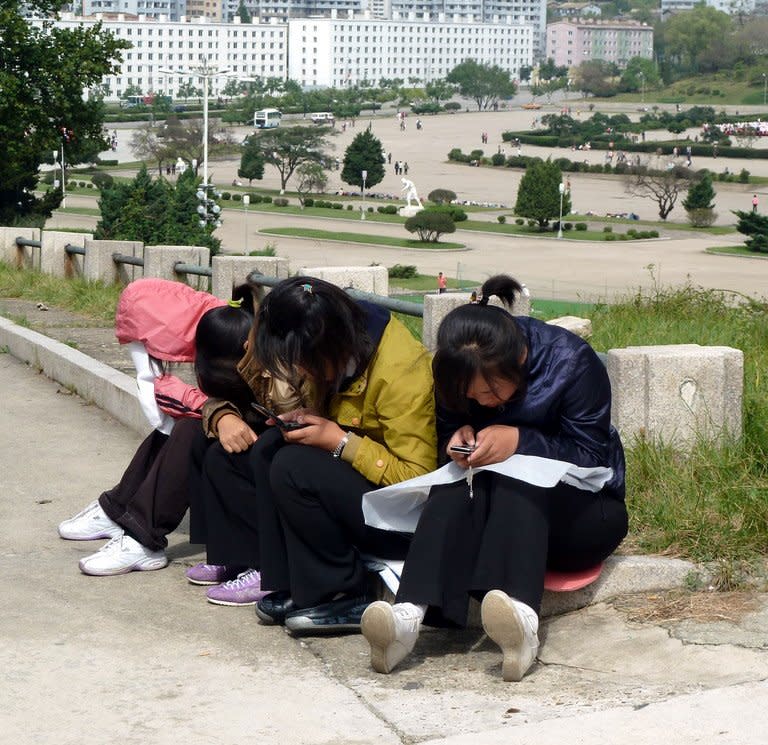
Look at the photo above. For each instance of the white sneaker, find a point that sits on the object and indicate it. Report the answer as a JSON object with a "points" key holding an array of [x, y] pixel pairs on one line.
{"points": [[121, 555], [392, 631], [89, 525], [514, 626]]}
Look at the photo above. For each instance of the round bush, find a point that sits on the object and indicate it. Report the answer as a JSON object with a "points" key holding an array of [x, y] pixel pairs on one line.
{"points": [[226, 195], [441, 196], [100, 180], [609, 237], [280, 202], [266, 199], [237, 197], [653, 233], [608, 229], [340, 206], [581, 226], [308, 201], [519, 221], [502, 219], [498, 159], [350, 207], [567, 226], [256, 198]]}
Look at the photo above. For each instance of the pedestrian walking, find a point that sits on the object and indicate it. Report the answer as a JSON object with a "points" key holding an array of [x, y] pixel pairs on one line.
{"points": [[754, 203], [442, 283]]}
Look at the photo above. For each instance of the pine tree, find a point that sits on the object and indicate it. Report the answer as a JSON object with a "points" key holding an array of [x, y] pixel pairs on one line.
{"points": [[364, 154], [538, 197]]}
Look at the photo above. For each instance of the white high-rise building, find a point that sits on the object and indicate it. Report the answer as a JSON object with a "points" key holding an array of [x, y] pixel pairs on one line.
{"points": [[335, 52], [171, 9]]}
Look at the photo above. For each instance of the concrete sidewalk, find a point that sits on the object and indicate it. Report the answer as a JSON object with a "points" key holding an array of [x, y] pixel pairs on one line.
{"points": [[142, 657]]}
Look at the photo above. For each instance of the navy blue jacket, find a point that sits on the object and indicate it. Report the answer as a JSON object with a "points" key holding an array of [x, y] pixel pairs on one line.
{"points": [[565, 412]]}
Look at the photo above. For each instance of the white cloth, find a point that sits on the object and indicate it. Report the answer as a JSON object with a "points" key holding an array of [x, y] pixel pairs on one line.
{"points": [[146, 372], [399, 506]]}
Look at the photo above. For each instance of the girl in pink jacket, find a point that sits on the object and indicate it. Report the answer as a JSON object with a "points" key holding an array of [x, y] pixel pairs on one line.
{"points": [[162, 322]]}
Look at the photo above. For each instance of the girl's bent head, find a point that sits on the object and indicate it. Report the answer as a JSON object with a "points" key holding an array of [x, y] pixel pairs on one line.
{"points": [[309, 328], [220, 341], [481, 351]]}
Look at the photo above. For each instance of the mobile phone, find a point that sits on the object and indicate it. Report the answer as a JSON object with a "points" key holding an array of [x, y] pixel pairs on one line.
{"points": [[464, 449], [269, 414]]}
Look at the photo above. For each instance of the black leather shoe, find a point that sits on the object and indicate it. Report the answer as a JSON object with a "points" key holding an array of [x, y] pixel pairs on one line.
{"points": [[343, 614], [272, 608]]}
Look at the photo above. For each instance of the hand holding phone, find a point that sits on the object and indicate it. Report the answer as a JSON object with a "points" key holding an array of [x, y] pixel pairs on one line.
{"points": [[269, 414]]}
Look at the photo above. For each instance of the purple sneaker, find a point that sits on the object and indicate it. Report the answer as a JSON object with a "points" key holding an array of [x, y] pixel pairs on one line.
{"points": [[245, 590], [211, 574]]}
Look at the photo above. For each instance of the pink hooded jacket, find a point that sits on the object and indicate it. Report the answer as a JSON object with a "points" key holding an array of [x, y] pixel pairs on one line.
{"points": [[163, 316]]}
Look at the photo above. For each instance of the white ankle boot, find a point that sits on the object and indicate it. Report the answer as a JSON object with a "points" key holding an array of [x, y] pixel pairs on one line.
{"points": [[514, 626], [392, 631]]}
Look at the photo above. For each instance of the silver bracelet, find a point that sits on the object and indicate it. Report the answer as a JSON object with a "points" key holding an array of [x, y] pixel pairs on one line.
{"points": [[339, 449]]}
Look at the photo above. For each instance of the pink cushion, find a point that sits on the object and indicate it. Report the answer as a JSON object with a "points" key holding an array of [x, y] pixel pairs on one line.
{"points": [[568, 581]]}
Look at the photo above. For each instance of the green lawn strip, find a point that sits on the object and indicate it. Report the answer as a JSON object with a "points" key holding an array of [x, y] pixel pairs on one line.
{"points": [[78, 211], [428, 282], [736, 251], [377, 240]]}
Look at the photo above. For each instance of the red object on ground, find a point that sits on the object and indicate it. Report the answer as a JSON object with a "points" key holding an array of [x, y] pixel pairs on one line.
{"points": [[569, 581]]}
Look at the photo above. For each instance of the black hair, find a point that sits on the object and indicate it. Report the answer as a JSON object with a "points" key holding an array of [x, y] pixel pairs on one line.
{"points": [[220, 344], [307, 327], [482, 339]]}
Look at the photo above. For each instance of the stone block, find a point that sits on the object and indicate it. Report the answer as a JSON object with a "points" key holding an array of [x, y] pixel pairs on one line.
{"points": [[100, 266], [159, 261], [677, 393], [230, 271], [437, 306], [580, 326], [373, 279], [54, 259], [20, 256]]}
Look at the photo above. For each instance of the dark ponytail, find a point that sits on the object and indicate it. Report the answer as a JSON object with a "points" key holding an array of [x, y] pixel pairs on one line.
{"points": [[479, 339]]}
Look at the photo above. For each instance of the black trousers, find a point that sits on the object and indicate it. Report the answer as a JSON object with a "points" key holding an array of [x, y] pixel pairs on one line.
{"points": [[505, 538], [152, 496], [313, 532]]}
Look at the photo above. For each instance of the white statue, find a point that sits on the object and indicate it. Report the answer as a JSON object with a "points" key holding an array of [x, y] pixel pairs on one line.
{"points": [[181, 165], [409, 190]]}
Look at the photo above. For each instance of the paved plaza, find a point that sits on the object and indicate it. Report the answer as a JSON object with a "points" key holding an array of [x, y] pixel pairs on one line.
{"points": [[552, 269]]}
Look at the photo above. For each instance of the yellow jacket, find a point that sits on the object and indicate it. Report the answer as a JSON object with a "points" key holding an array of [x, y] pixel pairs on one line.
{"points": [[389, 411]]}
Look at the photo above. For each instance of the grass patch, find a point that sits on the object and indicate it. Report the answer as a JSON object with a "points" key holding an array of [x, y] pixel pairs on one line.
{"points": [[429, 282], [711, 503], [92, 299], [376, 240], [736, 251]]}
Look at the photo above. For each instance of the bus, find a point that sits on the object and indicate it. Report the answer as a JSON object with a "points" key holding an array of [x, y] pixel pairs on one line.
{"points": [[267, 118]]}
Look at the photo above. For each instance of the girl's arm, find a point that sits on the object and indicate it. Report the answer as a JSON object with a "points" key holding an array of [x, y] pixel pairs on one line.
{"points": [[177, 398]]}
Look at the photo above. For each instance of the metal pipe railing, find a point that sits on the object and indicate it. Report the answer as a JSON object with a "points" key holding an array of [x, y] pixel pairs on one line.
{"points": [[119, 258], [28, 242], [72, 250], [201, 271], [398, 306]]}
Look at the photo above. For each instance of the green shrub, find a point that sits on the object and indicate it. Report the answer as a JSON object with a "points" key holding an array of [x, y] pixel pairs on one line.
{"points": [[256, 198], [237, 197], [452, 106], [266, 199], [429, 225], [609, 237], [340, 206], [519, 221], [308, 201], [89, 185], [653, 233], [532, 223], [608, 229], [498, 159], [567, 226], [441, 196], [744, 176], [226, 195], [457, 214], [370, 209], [581, 226], [502, 219], [623, 237], [402, 271], [350, 207], [103, 180], [280, 202]]}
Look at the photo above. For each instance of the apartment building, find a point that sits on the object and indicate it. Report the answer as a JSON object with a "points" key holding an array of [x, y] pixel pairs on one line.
{"points": [[571, 42], [171, 9], [334, 52]]}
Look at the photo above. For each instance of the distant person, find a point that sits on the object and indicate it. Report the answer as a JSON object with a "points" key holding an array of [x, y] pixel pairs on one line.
{"points": [[442, 283], [754, 203]]}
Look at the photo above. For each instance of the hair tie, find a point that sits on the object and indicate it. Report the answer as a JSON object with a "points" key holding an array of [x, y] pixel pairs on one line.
{"points": [[235, 303], [307, 288], [483, 300]]}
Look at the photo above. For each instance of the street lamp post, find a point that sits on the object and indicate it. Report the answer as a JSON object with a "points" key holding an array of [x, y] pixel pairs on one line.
{"points": [[246, 202], [642, 87], [364, 174], [561, 189], [63, 180], [765, 88]]}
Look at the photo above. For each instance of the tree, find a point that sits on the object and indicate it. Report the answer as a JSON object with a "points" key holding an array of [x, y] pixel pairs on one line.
{"points": [[286, 148], [430, 225], [363, 154], [538, 197], [756, 226], [441, 196], [251, 161], [43, 73], [486, 84], [155, 212], [699, 204], [243, 13], [661, 184], [189, 90], [146, 145], [595, 77], [312, 179], [439, 90], [639, 74], [686, 37]]}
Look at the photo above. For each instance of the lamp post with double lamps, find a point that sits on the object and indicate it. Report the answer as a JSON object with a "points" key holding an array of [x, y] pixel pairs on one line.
{"points": [[364, 174], [246, 202], [561, 189], [63, 179]]}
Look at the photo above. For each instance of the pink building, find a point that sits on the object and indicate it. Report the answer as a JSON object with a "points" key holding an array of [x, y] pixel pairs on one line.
{"points": [[571, 42]]}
